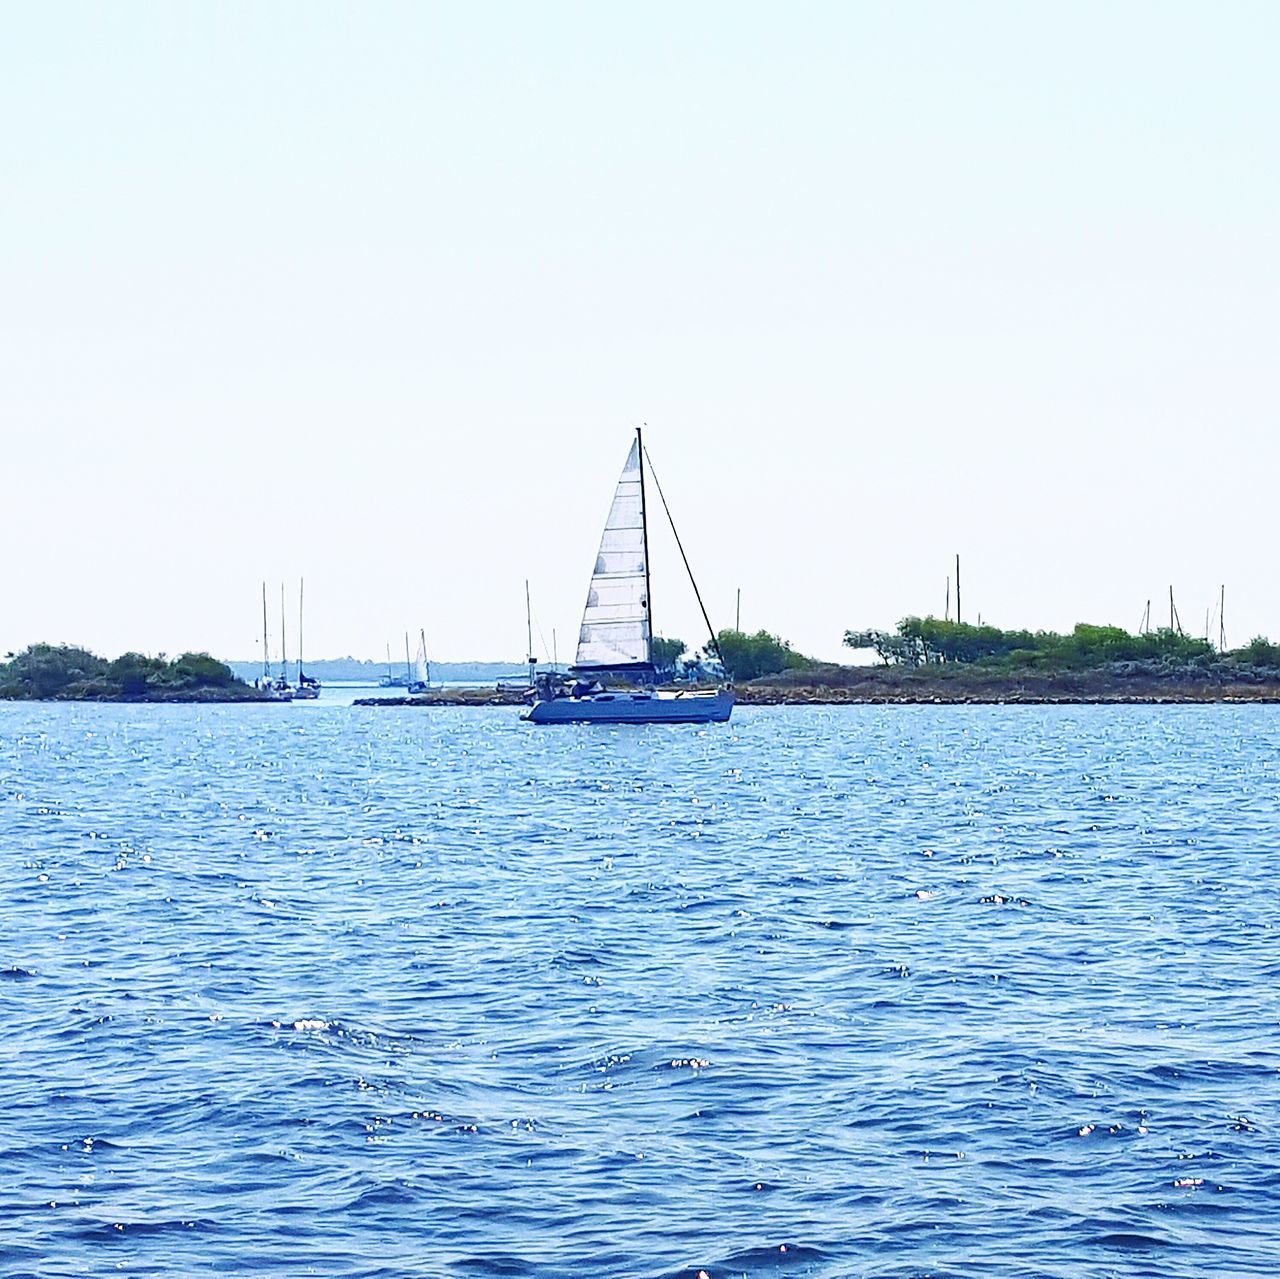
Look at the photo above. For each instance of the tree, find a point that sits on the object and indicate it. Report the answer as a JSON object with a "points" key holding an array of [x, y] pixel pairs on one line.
{"points": [[1259, 651], [197, 670], [921, 640], [750, 656], [890, 647], [45, 670], [665, 651], [134, 672]]}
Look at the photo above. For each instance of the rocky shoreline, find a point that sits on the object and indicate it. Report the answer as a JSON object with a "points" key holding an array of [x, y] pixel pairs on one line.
{"points": [[179, 697], [449, 697], [911, 689]]}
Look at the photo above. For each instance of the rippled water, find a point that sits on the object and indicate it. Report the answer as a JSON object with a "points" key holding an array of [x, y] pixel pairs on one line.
{"points": [[824, 992]]}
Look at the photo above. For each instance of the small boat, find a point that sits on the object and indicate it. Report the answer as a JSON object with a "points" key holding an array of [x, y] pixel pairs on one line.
{"points": [[419, 680], [276, 686], [308, 689], [283, 688], [616, 639], [390, 680]]}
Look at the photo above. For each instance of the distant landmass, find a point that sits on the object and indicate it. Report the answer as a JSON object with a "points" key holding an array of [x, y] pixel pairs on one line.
{"points": [[355, 670]]}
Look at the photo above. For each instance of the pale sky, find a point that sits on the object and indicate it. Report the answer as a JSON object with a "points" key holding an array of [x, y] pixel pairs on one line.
{"points": [[375, 295]]}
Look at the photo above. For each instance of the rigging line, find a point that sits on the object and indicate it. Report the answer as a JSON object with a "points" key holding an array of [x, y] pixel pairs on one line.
{"points": [[680, 546]]}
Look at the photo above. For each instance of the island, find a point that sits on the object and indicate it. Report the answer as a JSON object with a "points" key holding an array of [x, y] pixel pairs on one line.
{"points": [[938, 661], [65, 673], [928, 659]]}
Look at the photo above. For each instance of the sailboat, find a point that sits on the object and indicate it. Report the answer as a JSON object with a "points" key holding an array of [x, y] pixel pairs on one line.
{"points": [[278, 688], [308, 688], [420, 676], [390, 680], [616, 639], [282, 685]]}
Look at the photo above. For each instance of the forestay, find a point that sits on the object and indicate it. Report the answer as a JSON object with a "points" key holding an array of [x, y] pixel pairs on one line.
{"points": [[615, 624]]}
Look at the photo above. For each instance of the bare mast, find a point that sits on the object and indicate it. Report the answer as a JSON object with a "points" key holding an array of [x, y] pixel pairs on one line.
{"points": [[528, 633], [266, 659], [284, 648], [644, 532], [300, 586]]}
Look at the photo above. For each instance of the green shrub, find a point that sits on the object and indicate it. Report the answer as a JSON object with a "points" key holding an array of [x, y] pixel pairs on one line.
{"points": [[664, 652], [751, 656], [63, 671]]}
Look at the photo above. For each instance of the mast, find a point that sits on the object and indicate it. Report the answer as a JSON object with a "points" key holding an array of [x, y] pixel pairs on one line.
{"points": [[426, 665], [408, 670], [300, 586], [644, 532], [284, 648], [1222, 621], [528, 633], [957, 590], [389, 676], [266, 660]]}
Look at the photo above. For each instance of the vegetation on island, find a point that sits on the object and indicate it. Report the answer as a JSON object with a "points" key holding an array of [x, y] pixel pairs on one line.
{"points": [[664, 653], [923, 641], [931, 660], [746, 657], [64, 672], [743, 656]]}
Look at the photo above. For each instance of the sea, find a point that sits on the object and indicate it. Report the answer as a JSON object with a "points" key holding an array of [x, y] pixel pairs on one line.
{"points": [[929, 991]]}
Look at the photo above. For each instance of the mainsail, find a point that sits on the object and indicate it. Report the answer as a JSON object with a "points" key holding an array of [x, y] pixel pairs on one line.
{"points": [[421, 667], [615, 625]]}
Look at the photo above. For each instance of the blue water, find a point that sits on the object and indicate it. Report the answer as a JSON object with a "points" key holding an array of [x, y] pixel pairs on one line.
{"points": [[904, 991]]}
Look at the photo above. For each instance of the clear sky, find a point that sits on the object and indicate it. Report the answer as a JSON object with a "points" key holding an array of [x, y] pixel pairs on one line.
{"points": [[375, 294]]}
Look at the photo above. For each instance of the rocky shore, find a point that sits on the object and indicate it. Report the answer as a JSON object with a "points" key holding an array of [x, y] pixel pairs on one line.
{"points": [[448, 697], [148, 697], [842, 686]]}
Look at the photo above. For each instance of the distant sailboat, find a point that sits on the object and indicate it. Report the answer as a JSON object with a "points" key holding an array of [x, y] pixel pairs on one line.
{"points": [[282, 685], [308, 688], [616, 639], [279, 688], [390, 680], [420, 676]]}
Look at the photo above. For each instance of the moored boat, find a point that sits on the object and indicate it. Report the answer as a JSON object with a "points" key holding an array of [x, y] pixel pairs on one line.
{"points": [[308, 689]]}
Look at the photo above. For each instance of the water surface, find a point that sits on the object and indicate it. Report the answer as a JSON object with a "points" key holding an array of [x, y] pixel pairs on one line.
{"points": [[854, 991]]}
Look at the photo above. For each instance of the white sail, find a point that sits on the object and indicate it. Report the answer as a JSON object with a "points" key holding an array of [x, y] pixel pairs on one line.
{"points": [[615, 623], [421, 668]]}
